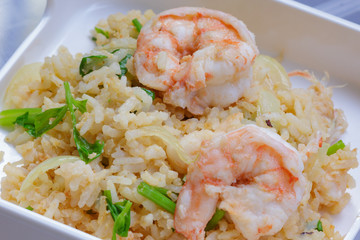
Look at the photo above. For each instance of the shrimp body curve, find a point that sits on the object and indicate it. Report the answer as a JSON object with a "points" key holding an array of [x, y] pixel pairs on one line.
{"points": [[197, 57], [252, 174]]}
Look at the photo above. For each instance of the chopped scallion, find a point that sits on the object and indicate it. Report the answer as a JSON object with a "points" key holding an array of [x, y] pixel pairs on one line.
{"points": [[30, 208], [84, 148], [137, 24], [150, 93], [336, 146], [91, 63], [319, 226], [156, 196], [37, 125], [101, 31], [114, 51], [120, 212], [122, 64], [218, 215], [163, 191], [8, 117], [159, 196], [122, 221]]}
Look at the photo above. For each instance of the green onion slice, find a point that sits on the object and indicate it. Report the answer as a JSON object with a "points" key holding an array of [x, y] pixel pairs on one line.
{"points": [[37, 125], [120, 213], [91, 63], [43, 167], [319, 226], [122, 64], [149, 92], [159, 197], [101, 31], [122, 221], [30, 208], [218, 215], [137, 24], [156, 196], [336, 146], [84, 148], [8, 117]]}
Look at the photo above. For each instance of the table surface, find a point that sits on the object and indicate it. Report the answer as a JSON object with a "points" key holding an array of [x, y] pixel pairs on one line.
{"points": [[16, 27]]}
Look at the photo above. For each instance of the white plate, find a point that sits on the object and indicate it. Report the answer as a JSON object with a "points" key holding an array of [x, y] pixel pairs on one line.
{"points": [[306, 38]]}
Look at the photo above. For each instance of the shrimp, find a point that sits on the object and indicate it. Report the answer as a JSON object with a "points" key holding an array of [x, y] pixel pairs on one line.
{"points": [[197, 57], [252, 174]]}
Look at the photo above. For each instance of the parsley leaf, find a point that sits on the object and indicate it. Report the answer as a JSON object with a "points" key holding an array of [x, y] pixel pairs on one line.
{"points": [[84, 147]]}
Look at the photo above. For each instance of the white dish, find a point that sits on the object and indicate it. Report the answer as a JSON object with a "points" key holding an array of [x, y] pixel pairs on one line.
{"points": [[306, 38]]}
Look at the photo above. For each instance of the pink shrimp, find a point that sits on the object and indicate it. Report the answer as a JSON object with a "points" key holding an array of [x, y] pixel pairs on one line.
{"points": [[252, 174], [198, 57]]}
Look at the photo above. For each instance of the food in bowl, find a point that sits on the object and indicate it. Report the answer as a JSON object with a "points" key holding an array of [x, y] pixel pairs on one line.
{"points": [[172, 127]]}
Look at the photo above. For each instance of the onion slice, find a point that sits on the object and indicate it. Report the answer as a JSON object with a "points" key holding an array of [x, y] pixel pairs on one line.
{"points": [[177, 157], [266, 69], [44, 167]]}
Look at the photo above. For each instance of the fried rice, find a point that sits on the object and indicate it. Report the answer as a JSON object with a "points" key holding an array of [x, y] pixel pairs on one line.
{"points": [[118, 109]]}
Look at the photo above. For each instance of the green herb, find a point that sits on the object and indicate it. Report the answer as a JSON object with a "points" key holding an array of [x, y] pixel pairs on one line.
{"points": [[122, 64], [8, 117], [137, 24], [91, 63], [114, 51], [159, 197], [218, 215], [105, 33], [120, 213], [163, 191], [84, 147], [336, 146], [156, 196], [30, 208], [122, 221], [94, 39], [319, 226], [150, 93], [184, 179], [37, 125]]}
